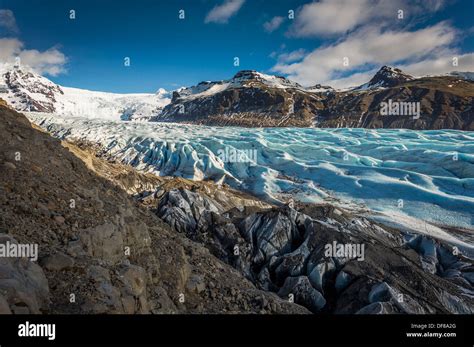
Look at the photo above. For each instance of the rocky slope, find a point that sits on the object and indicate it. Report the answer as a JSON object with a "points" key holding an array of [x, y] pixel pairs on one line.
{"points": [[177, 230], [100, 252]]}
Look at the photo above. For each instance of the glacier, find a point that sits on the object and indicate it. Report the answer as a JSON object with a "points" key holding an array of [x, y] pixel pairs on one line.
{"points": [[420, 178], [25, 90]]}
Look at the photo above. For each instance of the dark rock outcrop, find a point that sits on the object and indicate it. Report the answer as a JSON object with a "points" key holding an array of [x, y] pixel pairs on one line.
{"points": [[285, 250]]}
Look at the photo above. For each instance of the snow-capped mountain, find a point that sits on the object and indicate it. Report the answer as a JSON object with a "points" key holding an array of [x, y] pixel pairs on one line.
{"points": [[386, 77], [27, 91], [250, 98], [254, 99], [244, 78]]}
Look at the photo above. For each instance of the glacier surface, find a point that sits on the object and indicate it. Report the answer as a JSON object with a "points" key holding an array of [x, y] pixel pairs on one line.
{"points": [[404, 175]]}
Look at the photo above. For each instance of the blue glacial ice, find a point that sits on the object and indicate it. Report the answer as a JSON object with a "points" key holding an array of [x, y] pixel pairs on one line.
{"points": [[426, 176]]}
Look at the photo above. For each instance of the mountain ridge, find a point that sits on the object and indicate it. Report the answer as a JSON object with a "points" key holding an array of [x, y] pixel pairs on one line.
{"points": [[445, 102], [254, 99]]}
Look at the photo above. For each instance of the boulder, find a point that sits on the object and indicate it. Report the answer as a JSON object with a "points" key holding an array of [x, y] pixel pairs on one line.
{"points": [[57, 262], [133, 289], [195, 284], [104, 242], [4, 307], [106, 297], [23, 284]]}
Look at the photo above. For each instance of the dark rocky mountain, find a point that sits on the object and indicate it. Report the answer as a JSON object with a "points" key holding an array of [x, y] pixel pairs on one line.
{"points": [[446, 102], [249, 99], [386, 77]]}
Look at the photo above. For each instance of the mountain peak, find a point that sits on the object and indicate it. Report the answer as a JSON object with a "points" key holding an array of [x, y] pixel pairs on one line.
{"points": [[389, 69], [269, 80], [389, 76], [28, 91], [386, 77], [16, 69], [246, 74]]}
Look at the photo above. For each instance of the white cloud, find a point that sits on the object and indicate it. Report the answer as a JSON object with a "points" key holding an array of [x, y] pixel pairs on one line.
{"points": [[330, 17], [8, 21], [442, 63], [353, 80], [273, 24], [290, 56], [222, 13], [49, 62], [367, 47]]}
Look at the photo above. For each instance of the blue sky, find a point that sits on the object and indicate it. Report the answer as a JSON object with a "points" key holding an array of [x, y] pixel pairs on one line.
{"points": [[168, 52]]}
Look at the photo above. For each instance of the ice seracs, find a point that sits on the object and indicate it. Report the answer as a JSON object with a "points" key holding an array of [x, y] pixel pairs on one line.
{"points": [[398, 173]]}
